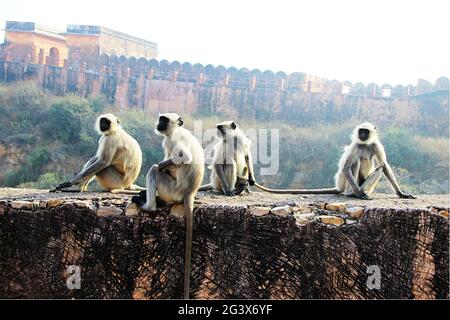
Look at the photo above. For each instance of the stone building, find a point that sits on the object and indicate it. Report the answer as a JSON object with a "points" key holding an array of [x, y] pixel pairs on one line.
{"points": [[33, 43], [88, 43]]}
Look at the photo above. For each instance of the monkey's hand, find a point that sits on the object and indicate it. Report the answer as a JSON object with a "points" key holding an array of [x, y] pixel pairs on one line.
{"points": [[406, 196], [230, 193], [362, 194], [251, 181], [65, 185]]}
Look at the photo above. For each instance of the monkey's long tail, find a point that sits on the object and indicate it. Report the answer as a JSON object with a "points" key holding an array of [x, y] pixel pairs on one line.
{"points": [[206, 187], [188, 253], [299, 191], [123, 191]]}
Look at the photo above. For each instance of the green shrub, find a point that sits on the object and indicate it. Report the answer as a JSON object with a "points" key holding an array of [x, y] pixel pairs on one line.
{"points": [[46, 181], [35, 163], [99, 103], [67, 118], [25, 96]]}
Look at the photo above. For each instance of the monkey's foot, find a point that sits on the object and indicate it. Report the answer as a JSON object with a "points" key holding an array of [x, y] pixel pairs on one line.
{"points": [[66, 190], [407, 196], [149, 208], [362, 196], [178, 210], [241, 187], [141, 199]]}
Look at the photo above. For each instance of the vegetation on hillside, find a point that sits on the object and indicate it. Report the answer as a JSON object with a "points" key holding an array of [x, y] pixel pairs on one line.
{"points": [[45, 140]]}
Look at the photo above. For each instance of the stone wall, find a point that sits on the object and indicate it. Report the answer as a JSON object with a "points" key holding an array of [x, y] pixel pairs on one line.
{"points": [[161, 86], [252, 246]]}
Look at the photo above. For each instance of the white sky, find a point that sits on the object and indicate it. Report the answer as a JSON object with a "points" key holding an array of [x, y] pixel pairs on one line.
{"points": [[382, 41]]}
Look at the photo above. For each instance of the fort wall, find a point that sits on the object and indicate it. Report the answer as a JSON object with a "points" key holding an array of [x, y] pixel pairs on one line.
{"points": [[159, 86]]}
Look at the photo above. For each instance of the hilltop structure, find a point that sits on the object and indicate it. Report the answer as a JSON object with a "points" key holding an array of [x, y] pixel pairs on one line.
{"points": [[93, 60], [34, 43]]}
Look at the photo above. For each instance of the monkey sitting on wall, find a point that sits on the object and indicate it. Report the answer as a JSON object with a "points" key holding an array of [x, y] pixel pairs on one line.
{"points": [[357, 174], [176, 178], [232, 169], [117, 162]]}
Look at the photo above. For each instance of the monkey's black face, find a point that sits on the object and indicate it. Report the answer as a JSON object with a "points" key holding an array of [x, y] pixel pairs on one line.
{"points": [[220, 131], [363, 134], [105, 124], [162, 124]]}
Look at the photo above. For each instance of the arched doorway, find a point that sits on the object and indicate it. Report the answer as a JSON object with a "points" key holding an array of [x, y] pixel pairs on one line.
{"points": [[54, 56]]}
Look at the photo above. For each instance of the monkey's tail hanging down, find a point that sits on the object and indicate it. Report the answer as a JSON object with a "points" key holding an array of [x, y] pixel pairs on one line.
{"points": [[298, 191]]}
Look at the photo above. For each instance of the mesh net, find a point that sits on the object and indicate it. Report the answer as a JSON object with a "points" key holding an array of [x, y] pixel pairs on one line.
{"points": [[235, 255]]}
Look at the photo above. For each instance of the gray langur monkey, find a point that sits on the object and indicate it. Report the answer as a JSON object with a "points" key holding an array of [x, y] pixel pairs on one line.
{"points": [[357, 174], [117, 162], [176, 178], [232, 169]]}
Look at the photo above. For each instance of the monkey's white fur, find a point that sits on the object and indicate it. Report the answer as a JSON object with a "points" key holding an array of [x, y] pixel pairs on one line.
{"points": [[363, 163], [177, 178], [360, 167], [187, 175], [119, 159], [231, 152]]}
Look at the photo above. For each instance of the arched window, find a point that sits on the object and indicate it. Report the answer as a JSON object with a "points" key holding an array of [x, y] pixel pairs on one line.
{"points": [[54, 56]]}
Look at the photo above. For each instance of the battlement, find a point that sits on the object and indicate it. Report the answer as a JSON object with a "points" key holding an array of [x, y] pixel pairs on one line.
{"points": [[210, 75], [99, 49]]}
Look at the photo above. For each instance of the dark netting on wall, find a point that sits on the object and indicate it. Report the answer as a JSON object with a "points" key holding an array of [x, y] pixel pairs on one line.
{"points": [[235, 255]]}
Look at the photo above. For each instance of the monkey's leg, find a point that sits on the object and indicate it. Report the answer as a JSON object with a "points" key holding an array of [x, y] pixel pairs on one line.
{"points": [[352, 188], [90, 169], [164, 184], [225, 178], [84, 185], [371, 181], [340, 181], [151, 188], [110, 178], [393, 182]]}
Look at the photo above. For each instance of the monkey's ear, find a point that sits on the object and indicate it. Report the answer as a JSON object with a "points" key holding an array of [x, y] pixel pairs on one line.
{"points": [[233, 125], [118, 120], [180, 122]]}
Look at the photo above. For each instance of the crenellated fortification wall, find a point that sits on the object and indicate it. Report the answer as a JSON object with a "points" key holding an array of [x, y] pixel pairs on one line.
{"points": [[160, 86]]}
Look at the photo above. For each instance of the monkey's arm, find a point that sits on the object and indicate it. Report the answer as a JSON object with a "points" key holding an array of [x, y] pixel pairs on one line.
{"points": [[180, 155], [165, 164], [89, 171], [221, 174], [387, 170], [101, 160], [85, 175], [251, 176], [347, 170]]}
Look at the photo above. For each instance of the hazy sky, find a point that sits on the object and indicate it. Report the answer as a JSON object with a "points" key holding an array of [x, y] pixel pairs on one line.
{"points": [[382, 41]]}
